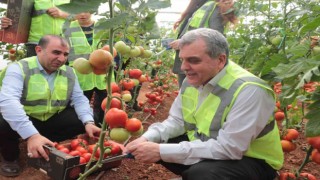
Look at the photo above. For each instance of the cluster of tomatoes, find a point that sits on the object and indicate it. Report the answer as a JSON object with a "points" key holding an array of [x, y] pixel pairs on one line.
{"points": [[121, 127], [288, 137], [315, 143], [81, 147]]}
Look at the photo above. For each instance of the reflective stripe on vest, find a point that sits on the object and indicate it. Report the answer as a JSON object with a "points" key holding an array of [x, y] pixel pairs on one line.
{"points": [[43, 104]]}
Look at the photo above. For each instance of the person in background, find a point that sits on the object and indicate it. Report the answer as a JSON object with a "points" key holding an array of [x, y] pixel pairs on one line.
{"points": [[201, 13], [44, 104], [220, 123], [83, 40], [46, 19]]}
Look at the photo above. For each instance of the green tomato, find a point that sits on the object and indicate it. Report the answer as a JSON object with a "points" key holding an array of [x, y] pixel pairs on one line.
{"points": [[119, 134]]}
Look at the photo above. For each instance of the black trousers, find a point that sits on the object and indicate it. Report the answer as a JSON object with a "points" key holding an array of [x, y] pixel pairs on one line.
{"points": [[62, 126], [98, 112], [244, 169]]}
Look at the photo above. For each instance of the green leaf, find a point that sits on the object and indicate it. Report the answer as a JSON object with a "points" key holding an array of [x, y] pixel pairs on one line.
{"points": [[79, 6], [294, 68], [117, 21], [158, 4], [310, 26], [313, 124]]}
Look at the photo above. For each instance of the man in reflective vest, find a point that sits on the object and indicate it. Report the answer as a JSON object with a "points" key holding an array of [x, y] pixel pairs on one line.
{"points": [[221, 124], [83, 40], [46, 19], [41, 102], [199, 14]]}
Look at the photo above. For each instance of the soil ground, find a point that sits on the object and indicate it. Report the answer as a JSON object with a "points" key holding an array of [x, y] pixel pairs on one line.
{"points": [[133, 170]]}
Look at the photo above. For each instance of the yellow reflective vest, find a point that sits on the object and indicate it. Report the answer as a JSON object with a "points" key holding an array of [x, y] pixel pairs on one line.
{"points": [[205, 122], [42, 23], [37, 99]]}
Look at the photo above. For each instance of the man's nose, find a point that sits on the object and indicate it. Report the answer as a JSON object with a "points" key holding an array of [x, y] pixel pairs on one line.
{"points": [[184, 65]]}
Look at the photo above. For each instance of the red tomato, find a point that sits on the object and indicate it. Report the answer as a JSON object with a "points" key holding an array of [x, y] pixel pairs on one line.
{"points": [[286, 176], [308, 176], [86, 156], [115, 103], [65, 150], [81, 149], [82, 160], [133, 124], [116, 118], [12, 51], [116, 149], [314, 142], [114, 87], [78, 142], [91, 148], [59, 146], [75, 153], [135, 73], [127, 84]]}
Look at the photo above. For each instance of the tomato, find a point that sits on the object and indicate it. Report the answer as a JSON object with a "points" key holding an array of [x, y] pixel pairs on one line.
{"points": [[135, 73], [142, 79], [133, 124], [65, 150], [127, 84], [75, 153], [86, 156], [314, 142], [81, 149], [115, 149], [82, 160], [116, 118], [78, 142], [114, 87], [291, 134], [107, 48], [115, 103], [287, 146], [315, 156], [119, 134], [308, 176], [279, 116], [59, 146], [12, 51], [91, 148], [287, 176]]}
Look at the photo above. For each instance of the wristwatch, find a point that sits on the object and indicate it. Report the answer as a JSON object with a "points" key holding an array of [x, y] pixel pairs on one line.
{"points": [[70, 17], [89, 122]]}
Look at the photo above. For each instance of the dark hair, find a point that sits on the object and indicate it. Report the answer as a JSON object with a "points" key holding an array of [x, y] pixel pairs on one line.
{"points": [[44, 41], [215, 41]]}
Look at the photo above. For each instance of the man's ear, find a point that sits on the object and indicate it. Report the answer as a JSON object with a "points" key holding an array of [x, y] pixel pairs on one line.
{"points": [[38, 49], [223, 59]]}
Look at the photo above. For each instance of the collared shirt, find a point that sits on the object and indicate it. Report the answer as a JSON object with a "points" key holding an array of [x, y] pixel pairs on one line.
{"points": [[246, 119], [12, 110]]}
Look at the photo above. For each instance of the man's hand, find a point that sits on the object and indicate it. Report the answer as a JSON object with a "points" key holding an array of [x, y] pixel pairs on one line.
{"points": [[175, 44], [147, 152], [57, 13], [5, 22], [92, 130], [35, 146]]}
